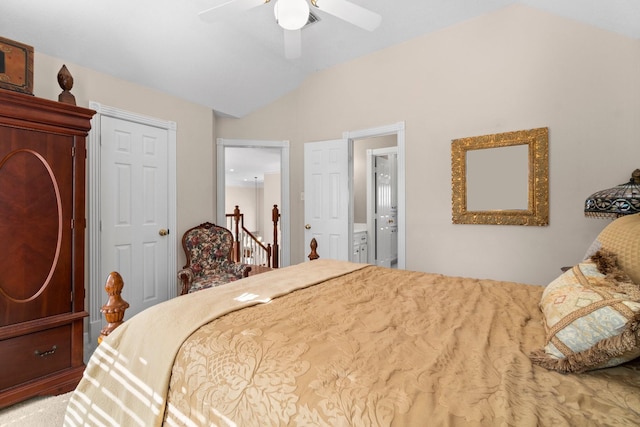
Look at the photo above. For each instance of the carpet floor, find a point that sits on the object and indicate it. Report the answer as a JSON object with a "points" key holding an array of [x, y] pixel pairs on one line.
{"points": [[45, 411]]}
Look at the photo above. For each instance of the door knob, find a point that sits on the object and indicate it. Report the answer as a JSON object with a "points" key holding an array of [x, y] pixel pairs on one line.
{"points": [[163, 232], [308, 226]]}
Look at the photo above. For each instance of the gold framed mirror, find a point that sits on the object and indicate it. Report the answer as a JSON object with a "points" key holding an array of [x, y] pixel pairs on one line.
{"points": [[505, 183]]}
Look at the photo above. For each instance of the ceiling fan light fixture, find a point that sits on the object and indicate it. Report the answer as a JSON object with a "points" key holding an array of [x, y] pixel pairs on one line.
{"points": [[291, 14]]}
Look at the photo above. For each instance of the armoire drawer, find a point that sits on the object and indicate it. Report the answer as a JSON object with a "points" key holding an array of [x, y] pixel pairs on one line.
{"points": [[34, 355]]}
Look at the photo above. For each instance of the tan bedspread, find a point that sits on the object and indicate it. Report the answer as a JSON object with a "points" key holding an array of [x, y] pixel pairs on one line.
{"points": [[381, 347], [126, 380]]}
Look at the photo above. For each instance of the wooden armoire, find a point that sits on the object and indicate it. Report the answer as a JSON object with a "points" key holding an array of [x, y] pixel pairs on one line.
{"points": [[42, 232]]}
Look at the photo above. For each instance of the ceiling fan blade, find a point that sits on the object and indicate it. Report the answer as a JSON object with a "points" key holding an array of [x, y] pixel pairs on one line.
{"points": [[232, 7], [350, 12], [292, 44]]}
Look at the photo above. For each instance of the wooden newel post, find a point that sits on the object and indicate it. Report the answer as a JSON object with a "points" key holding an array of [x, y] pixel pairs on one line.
{"points": [[236, 248], [314, 245], [115, 307], [275, 217]]}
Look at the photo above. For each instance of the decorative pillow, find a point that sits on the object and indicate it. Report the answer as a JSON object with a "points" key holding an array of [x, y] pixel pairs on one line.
{"points": [[592, 317], [622, 237]]}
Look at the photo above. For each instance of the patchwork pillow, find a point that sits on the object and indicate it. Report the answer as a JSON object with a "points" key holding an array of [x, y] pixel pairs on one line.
{"points": [[622, 237], [592, 317]]}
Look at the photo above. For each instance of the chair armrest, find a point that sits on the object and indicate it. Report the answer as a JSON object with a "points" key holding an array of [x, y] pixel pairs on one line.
{"points": [[246, 268], [238, 269], [186, 277]]}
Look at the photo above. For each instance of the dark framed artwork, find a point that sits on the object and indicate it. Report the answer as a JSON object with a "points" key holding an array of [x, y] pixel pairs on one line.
{"points": [[16, 66]]}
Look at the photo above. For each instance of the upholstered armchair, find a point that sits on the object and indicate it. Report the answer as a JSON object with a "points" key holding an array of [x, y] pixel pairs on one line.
{"points": [[208, 249]]}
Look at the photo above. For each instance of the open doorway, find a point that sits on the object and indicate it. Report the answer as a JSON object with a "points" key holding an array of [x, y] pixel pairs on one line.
{"points": [[383, 142], [252, 182], [375, 227], [260, 179]]}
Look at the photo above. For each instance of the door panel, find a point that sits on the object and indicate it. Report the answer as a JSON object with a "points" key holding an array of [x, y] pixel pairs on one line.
{"points": [[327, 191], [134, 209]]}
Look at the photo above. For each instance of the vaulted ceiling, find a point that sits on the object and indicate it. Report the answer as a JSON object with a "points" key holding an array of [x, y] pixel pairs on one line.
{"points": [[238, 65]]}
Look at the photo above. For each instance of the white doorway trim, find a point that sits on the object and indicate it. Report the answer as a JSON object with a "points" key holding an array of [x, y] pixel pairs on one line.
{"points": [[399, 130], [222, 143], [96, 295]]}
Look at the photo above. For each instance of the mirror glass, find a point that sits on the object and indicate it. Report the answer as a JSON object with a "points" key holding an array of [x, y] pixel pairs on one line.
{"points": [[501, 178], [497, 178]]}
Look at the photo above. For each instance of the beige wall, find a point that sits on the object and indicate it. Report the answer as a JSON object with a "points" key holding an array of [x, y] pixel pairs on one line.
{"points": [[195, 129], [518, 68]]}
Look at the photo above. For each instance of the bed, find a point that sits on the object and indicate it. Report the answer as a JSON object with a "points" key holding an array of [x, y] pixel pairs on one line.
{"points": [[332, 343]]}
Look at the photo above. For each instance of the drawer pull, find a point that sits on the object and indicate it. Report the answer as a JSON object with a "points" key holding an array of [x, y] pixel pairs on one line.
{"points": [[46, 353]]}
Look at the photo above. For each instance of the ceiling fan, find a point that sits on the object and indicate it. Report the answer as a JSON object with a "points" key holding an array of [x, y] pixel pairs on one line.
{"points": [[292, 15]]}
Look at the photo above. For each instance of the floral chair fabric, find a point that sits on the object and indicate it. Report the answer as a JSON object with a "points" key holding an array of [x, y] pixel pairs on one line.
{"points": [[208, 249]]}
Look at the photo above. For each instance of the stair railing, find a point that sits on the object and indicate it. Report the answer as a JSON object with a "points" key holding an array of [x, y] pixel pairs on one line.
{"points": [[247, 248]]}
